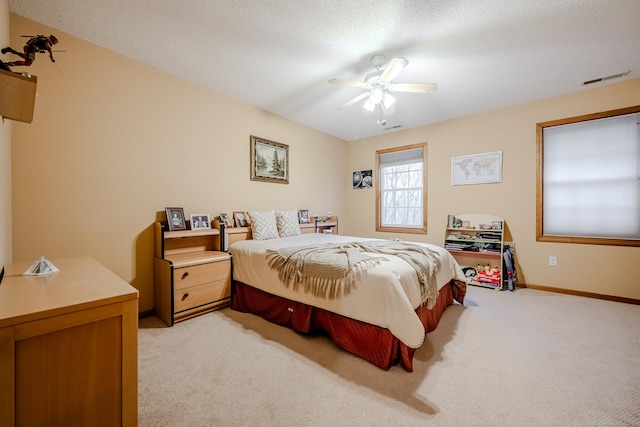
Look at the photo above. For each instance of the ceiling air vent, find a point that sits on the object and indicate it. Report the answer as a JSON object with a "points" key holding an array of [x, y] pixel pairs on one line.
{"points": [[393, 127], [601, 79]]}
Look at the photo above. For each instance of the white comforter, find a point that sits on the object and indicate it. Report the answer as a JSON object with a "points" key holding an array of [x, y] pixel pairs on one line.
{"points": [[386, 297]]}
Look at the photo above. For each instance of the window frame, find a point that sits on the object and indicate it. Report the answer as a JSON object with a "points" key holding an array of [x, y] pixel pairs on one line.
{"points": [[540, 236], [378, 186]]}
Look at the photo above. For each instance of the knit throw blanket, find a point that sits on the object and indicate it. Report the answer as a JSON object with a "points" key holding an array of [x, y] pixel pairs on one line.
{"points": [[331, 270]]}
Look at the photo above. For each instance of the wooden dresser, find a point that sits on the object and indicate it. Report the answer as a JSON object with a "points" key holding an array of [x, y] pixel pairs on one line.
{"points": [[68, 346]]}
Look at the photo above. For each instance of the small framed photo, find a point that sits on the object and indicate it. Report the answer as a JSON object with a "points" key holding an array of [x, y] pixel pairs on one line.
{"points": [[175, 218], [303, 216], [200, 221], [241, 219], [224, 218], [363, 179]]}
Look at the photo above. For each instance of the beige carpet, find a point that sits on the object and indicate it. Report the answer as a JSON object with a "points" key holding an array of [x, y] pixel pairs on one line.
{"points": [[524, 358]]}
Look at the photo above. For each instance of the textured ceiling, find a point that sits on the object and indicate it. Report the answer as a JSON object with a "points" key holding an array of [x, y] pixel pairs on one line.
{"points": [[280, 54]]}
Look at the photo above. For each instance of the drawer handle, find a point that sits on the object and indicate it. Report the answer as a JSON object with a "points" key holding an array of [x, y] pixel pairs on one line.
{"points": [[185, 296], [184, 276]]}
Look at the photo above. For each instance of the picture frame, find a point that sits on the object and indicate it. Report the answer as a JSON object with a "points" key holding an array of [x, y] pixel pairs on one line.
{"points": [[200, 221], [224, 218], [269, 160], [363, 179], [483, 168], [303, 216], [241, 219], [175, 219]]}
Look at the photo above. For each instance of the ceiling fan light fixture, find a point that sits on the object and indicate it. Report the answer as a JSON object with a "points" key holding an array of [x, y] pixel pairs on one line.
{"points": [[376, 95], [370, 106], [379, 83], [388, 100]]}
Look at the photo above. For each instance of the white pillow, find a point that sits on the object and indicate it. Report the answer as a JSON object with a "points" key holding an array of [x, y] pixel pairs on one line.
{"points": [[263, 225], [287, 222]]}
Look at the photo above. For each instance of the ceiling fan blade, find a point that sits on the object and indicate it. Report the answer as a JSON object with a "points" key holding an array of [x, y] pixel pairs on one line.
{"points": [[393, 69], [353, 101], [347, 83], [413, 87]]}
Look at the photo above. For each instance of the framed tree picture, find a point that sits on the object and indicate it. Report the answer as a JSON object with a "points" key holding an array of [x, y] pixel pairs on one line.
{"points": [[269, 161]]}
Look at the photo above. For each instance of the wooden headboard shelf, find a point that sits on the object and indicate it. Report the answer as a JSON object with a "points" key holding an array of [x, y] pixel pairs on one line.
{"points": [[236, 234]]}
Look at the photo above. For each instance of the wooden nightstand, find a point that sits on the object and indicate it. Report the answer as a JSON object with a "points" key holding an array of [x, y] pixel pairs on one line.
{"points": [[192, 275]]}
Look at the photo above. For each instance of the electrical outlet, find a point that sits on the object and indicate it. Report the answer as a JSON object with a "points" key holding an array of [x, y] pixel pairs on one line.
{"points": [[553, 261]]}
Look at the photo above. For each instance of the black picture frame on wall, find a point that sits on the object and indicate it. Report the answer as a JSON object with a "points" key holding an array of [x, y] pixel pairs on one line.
{"points": [[363, 179]]}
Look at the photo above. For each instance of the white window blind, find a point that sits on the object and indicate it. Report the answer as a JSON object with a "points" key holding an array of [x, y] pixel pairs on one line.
{"points": [[591, 178]]}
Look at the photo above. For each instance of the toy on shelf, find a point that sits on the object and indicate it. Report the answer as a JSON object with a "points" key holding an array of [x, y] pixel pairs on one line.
{"points": [[35, 44]]}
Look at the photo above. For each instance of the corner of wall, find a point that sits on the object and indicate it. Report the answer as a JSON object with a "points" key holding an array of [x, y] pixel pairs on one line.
{"points": [[5, 158]]}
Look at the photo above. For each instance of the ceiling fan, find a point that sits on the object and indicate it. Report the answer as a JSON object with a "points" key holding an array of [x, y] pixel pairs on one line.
{"points": [[380, 82]]}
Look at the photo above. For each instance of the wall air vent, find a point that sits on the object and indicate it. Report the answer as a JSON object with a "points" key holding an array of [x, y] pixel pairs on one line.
{"points": [[602, 79]]}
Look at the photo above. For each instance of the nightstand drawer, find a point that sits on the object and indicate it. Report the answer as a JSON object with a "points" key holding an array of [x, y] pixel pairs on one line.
{"points": [[186, 277], [201, 294]]}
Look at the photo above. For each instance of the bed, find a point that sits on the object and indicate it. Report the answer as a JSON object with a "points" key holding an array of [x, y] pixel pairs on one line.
{"points": [[382, 318]]}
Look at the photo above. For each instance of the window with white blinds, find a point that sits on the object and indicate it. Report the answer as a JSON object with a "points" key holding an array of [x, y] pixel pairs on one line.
{"points": [[401, 190], [589, 179]]}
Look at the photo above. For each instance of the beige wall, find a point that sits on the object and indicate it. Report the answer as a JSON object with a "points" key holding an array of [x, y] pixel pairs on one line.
{"points": [[5, 157], [588, 268], [114, 141]]}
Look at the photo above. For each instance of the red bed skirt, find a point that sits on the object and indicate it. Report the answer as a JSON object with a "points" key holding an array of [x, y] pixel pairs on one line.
{"points": [[372, 343]]}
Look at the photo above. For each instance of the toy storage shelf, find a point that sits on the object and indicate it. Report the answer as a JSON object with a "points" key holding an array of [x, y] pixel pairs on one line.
{"points": [[476, 241]]}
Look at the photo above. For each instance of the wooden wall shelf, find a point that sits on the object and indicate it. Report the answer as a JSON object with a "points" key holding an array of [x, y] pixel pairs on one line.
{"points": [[17, 96]]}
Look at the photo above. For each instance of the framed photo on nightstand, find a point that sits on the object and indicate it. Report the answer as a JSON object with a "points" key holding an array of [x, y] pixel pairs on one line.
{"points": [[224, 218], [241, 219], [303, 216], [175, 218], [200, 221]]}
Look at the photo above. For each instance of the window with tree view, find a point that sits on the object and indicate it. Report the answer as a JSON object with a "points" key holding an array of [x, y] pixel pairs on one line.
{"points": [[401, 191]]}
